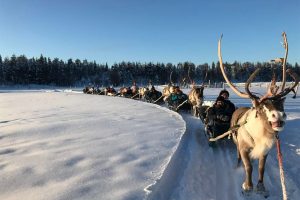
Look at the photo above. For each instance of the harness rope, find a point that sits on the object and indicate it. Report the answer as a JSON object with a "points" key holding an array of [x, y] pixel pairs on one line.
{"points": [[181, 104], [229, 132], [279, 155], [158, 99], [135, 95], [231, 129]]}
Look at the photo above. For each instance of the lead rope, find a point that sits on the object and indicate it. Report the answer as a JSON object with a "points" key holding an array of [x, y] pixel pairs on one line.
{"points": [[279, 155]]}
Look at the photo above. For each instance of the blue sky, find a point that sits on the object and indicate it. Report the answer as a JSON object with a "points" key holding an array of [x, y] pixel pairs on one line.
{"points": [[150, 30]]}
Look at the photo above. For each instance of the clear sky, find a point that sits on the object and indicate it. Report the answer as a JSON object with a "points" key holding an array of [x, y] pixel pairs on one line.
{"points": [[150, 30]]}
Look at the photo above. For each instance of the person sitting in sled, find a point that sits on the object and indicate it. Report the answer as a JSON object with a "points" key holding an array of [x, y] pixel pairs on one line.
{"points": [[152, 95], [176, 95], [230, 107], [176, 98], [218, 118]]}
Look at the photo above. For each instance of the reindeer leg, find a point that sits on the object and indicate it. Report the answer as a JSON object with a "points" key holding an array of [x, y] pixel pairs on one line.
{"points": [[238, 157], [235, 140], [261, 168], [260, 188], [247, 185], [195, 111], [198, 112]]}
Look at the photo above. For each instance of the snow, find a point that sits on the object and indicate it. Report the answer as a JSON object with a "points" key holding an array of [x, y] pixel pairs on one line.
{"points": [[59, 144]]}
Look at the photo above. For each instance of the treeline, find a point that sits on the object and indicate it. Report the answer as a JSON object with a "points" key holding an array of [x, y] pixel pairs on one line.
{"points": [[43, 70]]}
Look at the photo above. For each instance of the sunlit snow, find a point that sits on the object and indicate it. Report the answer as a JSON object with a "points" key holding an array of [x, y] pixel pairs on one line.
{"points": [[61, 144]]}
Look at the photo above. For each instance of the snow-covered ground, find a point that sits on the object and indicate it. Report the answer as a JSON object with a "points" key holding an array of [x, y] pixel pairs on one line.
{"points": [[60, 144]]}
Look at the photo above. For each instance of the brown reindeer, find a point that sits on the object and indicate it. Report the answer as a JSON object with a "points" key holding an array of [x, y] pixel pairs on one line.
{"points": [[168, 89], [196, 96], [258, 126], [142, 91], [196, 99]]}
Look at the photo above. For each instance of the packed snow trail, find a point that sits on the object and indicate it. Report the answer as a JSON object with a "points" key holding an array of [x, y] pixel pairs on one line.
{"points": [[216, 164], [196, 161], [198, 171]]}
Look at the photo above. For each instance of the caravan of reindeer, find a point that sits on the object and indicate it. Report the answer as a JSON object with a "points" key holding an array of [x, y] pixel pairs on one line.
{"points": [[134, 92], [254, 129], [110, 91]]}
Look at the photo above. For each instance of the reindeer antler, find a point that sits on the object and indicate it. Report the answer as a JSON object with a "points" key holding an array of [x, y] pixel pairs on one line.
{"points": [[239, 93], [189, 70], [204, 79], [171, 78], [285, 45], [287, 90], [254, 98], [273, 88]]}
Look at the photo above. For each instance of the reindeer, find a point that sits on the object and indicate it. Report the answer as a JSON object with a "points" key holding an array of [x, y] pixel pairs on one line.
{"points": [[168, 89], [196, 99], [142, 91], [110, 91], [88, 90], [196, 96], [256, 128]]}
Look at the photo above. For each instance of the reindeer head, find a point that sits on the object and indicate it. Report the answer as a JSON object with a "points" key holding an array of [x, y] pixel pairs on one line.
{"points": [[198, 95], [273, 111], [199, 91], [270, 107]]}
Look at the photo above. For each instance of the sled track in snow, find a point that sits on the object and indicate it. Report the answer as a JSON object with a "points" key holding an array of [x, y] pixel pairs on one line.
{"points": [[194, 159]]}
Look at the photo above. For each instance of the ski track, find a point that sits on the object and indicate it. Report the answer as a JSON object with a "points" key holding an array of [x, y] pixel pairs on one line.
{"points": [[194, 159]]}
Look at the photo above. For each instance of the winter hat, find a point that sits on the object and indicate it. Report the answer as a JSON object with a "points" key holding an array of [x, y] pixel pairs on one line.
{"points": [[224, 91]]}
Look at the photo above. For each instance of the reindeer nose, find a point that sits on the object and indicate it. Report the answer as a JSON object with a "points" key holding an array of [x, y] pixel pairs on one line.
{"points": [[284, 116]]}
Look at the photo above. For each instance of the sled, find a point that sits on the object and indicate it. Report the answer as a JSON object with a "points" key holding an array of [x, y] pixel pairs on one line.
{"points": [[180, 104], [153, 97], [215, 130], [212, 128]]}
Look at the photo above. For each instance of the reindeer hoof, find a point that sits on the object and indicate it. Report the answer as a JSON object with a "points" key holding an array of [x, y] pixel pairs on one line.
{"points": [[247, 188], [260, 189]]}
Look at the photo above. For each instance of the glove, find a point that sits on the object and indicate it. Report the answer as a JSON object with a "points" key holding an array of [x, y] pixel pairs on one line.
{"points": [[223, 118]]}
